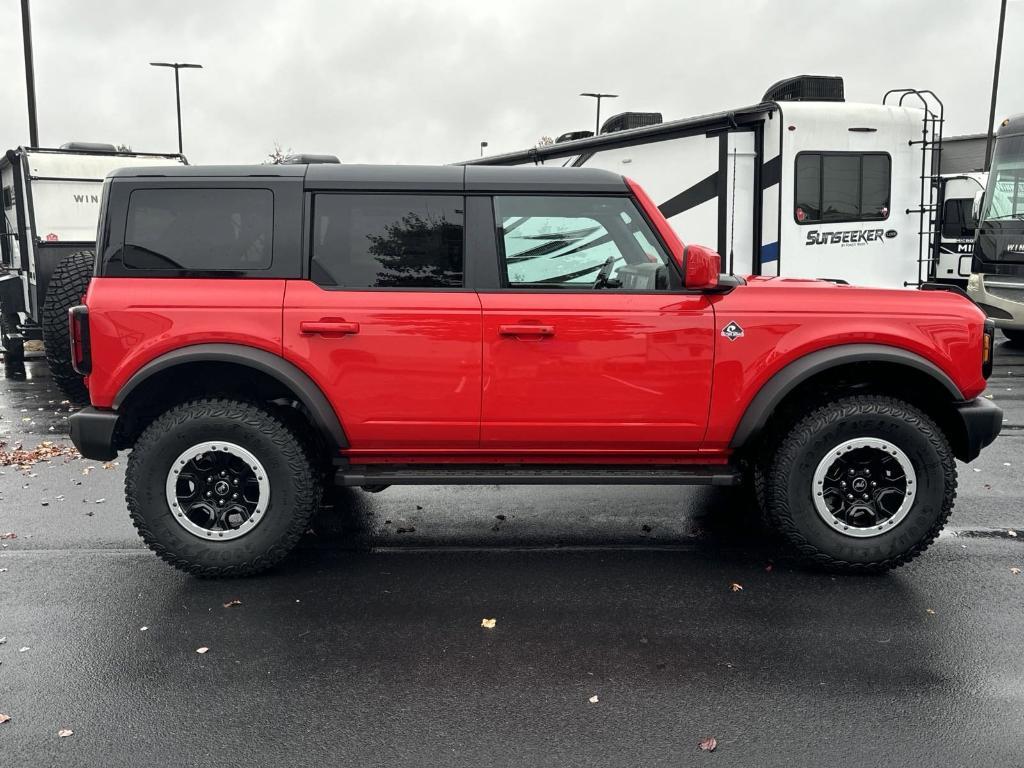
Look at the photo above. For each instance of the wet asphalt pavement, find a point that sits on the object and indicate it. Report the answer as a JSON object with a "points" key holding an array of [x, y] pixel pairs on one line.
{"points": [[366, 648]]}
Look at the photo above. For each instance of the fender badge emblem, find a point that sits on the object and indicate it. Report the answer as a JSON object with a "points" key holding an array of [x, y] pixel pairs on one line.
{"points": [[732, 331]]}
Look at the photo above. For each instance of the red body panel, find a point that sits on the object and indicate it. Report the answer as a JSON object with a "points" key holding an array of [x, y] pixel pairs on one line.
{"points": [[784, 319], [133, 321], [618, 371], [409, 377]]}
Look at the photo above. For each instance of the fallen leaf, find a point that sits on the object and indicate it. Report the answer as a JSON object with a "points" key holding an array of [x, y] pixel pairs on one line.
{"points": [[26, 457], [65, 732], [100, 501], [929, 610], [488, 623], [1008, 533], [143, 629], [1015, 571], [24, 648], [736, 587], [232, 603], [9, 535], [204, 649], [710, 744], [593, 699], [4, 718]]}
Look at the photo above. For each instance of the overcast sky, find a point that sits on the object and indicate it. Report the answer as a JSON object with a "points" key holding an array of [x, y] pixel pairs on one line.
{"points": [[425, 82]]}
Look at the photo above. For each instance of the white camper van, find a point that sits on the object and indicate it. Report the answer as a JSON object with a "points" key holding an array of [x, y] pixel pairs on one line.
{"points": [[801, 184], [51, 202]]}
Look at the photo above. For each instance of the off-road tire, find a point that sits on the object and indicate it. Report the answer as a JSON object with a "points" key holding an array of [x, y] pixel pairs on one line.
{"points": [[1014, 336], [788, 481], [67, 286], [294, 486], [14, 347]]}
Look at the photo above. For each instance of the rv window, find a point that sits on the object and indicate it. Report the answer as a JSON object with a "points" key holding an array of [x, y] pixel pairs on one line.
{"points": [[578, 243], [388, 241], [841, 186], [200, 230], [957, 219]]}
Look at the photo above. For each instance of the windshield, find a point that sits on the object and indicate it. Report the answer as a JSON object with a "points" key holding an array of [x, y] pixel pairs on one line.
{"points": [[1004, 199]]}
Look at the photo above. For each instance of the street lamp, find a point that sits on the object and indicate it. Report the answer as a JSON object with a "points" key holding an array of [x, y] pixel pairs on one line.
{"points": [[483, 144], [177, 88], [599, 96], [995, 86]]}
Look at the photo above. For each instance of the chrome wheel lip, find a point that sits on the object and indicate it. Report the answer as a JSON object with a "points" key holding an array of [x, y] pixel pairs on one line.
{"points": [[197, 451], [843, 527]]}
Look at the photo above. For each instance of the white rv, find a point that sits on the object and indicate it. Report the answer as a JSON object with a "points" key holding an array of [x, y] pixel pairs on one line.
{"points": [[51, 201], [801, 184]]}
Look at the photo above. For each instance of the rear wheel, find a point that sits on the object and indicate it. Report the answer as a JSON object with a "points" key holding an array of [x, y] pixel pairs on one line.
{"points": [[862, 484], [66, 288], [1015, 336], [220, 488]]}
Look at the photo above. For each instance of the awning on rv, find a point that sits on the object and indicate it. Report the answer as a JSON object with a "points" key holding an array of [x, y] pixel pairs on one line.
{"points": [[689, 126]]}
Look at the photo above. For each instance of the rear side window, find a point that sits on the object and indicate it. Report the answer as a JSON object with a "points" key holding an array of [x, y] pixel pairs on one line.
{"points": [[199, 230], [388, 241], [847, 186]]}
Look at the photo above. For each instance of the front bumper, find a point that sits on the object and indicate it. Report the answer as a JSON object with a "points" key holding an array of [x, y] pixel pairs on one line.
{"points": [[981, 420], [1000, 297], [92, 432]]}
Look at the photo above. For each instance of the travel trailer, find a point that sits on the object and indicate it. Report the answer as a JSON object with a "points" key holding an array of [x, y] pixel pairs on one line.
{"points": [[51, 202], [800, 184]]}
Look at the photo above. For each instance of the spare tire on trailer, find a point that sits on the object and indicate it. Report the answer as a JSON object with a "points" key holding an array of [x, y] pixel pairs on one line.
{"points": [[66, 289]]}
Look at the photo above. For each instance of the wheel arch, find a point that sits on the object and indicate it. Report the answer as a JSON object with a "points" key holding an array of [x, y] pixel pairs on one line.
{"points": [[873, 367], [265, 367]]}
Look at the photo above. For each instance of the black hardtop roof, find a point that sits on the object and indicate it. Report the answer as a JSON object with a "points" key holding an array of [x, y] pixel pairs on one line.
{"points": [[399, 178]]}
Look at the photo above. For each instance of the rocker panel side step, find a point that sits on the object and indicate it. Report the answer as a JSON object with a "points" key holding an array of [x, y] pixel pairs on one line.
{"points": [[518, 474]]}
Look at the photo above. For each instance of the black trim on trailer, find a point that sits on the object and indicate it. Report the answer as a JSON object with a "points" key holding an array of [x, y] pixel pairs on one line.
{"points": [[758, 195], [778, 212], [771, 171], [723, 194], [66, 178], [704, 190], [675, 129]]}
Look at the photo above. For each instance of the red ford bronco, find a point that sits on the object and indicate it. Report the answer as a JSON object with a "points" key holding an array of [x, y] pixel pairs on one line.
{"points": [[254, 334]]}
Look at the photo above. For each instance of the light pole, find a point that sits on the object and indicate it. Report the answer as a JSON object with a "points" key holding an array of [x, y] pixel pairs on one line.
{"points": [[483, 145], [599, 96], [995, 86], [177, 89], [30, 75]]}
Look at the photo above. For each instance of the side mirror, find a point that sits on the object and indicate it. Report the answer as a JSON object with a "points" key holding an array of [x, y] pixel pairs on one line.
{"points": [[701, 267], [976, 207]]}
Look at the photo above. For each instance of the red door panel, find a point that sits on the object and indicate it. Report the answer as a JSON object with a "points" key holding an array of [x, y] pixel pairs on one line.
{"points": [[597, 371], [401, 368]]}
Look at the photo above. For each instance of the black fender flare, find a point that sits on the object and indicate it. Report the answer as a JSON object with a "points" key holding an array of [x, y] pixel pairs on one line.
{"points": [[771, 394], [304, 388]]}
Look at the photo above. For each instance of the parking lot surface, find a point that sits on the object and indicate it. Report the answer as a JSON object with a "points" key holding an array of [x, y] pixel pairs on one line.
{"points": [[366, 647]]}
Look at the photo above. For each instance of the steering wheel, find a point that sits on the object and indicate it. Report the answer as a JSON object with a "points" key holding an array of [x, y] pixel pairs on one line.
{"points": [[606, 269]]}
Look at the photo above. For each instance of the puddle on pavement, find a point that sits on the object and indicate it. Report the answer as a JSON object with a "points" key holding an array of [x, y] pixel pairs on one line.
{"points": [[31, 405]]}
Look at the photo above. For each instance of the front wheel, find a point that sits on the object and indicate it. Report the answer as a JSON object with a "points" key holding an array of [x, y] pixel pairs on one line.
{"points": [[862, 484], [220, 488]]}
